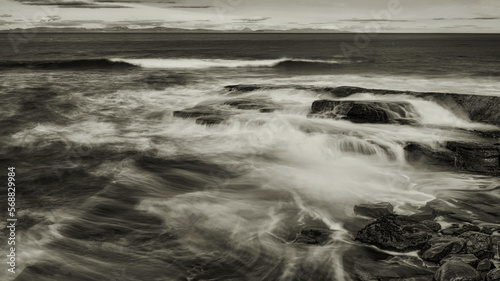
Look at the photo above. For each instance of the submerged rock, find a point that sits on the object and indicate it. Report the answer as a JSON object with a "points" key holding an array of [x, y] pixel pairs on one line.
{"points": [[376, 210], [381, 112], [478, 244], [394, 232], [248, 104], [209, 120], [439, 247], [469, 259], [456, 271], [195, 112], [419, 153], [313, 236]]}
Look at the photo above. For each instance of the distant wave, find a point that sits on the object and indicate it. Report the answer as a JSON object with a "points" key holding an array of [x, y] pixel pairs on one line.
{"points": [[69, 64], [222, 63], [169, 63]]}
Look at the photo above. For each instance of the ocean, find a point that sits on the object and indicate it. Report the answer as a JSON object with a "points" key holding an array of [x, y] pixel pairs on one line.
{"points": [[112, 183]]}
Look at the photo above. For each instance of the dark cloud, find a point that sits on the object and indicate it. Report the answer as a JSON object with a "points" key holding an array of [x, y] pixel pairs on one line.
{"points": [[252, 20], [375, 20], [478, 18], [69, 4], [191, 7]]}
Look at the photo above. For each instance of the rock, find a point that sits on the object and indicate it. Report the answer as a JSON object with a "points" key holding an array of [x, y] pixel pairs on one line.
{"points": [[376, 210], [478, 244], [209, 120], [313, 236], [246, 104], [195, 112], [419, 153], [485, 265], [476, 157], [394, 232], [493, 275], [434, 226], [439, 247], [487, 230], [380, 112], [268, 109], [457, 230], [456, 271], [469, 259]]}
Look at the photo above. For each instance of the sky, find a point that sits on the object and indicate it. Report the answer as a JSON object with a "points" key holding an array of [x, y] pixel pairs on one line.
{"points": [[443, 16]]}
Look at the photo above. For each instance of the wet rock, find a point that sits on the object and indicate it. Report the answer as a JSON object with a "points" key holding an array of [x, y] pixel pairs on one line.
{"points": [[476, 157], [394, 232], [469, 259], [485, 265], [268, 109], [478, 244], [439, 247], [434, 226], [487, 230], [456, 271], [380, 112], [376, 210], [245, 104], [209, 120], [313, 236], [195, 112], [493, 275], [456, 229], [419, 153]]}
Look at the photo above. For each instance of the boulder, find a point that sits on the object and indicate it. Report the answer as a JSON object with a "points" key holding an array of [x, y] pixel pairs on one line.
{"points": [[379, 112], [376, 210], [456, 271], [394, 232], [313, 236], [439, 247], [478, 244], [469, 259], [493, 275]]}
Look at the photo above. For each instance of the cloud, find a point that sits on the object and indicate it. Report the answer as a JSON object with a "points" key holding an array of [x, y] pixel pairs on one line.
{"points": [[69, 4], [252, 20], [478, 18], [375, 20]]}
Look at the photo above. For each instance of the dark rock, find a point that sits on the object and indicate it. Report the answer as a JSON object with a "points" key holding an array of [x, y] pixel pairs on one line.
{"points": [[456, 271], [313, 236], [487, 230], [476, 157], [374, 210], [478, 244], [439, 247], [434, 226], [380, 112], [209, 120], [195, 112], [493, 275], [485, 265], [394, 232], [268, 109], [469, 259], [419, 153], [245, 104], [457, 230]]}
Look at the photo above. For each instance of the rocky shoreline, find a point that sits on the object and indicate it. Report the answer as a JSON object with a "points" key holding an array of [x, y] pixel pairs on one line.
{"points": [[462, 251]]}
